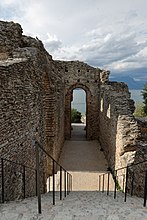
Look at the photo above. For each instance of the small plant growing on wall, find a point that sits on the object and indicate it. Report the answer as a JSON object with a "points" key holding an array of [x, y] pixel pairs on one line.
{"points": [[75, 116], [139, 110], [144, 94]]}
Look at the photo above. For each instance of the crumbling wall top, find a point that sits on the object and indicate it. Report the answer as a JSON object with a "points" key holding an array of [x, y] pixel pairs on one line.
{"points": [[13, 44]]}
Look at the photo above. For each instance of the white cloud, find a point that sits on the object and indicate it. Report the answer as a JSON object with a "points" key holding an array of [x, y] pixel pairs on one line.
{"points": [[9, 2], [52, 43], [108, 34]]}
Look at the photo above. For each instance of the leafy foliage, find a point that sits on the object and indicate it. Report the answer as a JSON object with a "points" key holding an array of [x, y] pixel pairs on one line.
{"points": [[75, 116], [139, 110], [144, 94]]}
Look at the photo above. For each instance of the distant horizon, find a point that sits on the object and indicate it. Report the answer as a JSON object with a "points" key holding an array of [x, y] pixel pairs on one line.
{"points": [[79, 99]]}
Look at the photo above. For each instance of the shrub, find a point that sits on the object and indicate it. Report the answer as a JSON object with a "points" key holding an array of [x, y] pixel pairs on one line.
{"points": [[144, 94], [75, 116], [139, 110]]}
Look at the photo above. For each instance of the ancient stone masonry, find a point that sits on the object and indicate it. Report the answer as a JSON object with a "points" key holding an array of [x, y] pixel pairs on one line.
{"points": [[80, 75], [140, 155], [120, 134], [35, 99], [116, 118], [32, 96]]}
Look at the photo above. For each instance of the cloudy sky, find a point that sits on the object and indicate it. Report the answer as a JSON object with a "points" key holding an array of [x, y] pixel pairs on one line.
{"points": [[109, 34]]}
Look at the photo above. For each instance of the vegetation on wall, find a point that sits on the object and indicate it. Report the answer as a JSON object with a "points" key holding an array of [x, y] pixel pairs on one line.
{"points": [[139, 110], [75, 116], [144, 94]]}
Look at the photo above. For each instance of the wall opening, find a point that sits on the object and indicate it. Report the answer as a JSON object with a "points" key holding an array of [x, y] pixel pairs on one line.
{"points": [[78, 107], [91, 111]]}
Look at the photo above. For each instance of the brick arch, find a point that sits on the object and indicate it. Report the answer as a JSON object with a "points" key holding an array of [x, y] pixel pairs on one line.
{"points": [[68, 100]]}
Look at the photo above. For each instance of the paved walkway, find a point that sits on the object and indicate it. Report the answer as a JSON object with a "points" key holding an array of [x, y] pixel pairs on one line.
{"points": [[85, 160], [78, 132]]}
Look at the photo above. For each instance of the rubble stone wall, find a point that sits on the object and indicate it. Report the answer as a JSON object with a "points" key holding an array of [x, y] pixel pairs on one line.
{"points": [[32, 97], [36, 94], [80, 75], [119, 131]]}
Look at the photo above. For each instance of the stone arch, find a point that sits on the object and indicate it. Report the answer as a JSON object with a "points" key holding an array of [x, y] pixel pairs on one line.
{"points": [[68, 99]]}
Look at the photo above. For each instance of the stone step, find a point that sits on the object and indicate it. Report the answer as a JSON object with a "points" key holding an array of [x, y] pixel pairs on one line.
{"points": [[77, 205], [83, 181]]}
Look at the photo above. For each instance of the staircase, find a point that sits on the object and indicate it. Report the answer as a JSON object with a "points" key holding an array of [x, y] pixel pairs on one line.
{"points": [[78, 205], [84, 160], [89, 199]]}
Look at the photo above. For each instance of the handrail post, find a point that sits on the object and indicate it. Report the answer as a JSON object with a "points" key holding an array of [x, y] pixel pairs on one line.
{"points": [[123, 182], [115, 178], [49, 183], [68, 183], [64, 175], [132, 184], [53, 182], [60, 183], [103, 182], [38, 179], [2, 166], [71, 183], [145, 189], [99, 183], [65, 183], [24, 182], [126, 186], [108, 184]]}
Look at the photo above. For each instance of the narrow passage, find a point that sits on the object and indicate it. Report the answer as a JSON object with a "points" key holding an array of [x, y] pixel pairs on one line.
{"points": [[83, 159]]}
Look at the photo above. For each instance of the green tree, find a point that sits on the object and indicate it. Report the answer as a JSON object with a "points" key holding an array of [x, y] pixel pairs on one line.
{"points": [[75, 116], [144, 94], [139, 110]]}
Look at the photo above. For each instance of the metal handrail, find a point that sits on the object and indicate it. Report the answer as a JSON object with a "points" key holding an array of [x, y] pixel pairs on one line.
{"points": [[23, 173], [121, 168], [131, 165], [114, 175], [17, 163], [39, 145], [67, 176]]}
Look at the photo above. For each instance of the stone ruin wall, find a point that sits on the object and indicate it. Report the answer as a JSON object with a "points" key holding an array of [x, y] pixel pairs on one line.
{"points": [[32, 97], [121, 135], [116, 122], [34, 91], [140, 155], [80, 75]]}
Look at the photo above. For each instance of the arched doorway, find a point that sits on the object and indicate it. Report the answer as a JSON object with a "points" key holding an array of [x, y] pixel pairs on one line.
{"points": [[89, 109], [78, 114]]}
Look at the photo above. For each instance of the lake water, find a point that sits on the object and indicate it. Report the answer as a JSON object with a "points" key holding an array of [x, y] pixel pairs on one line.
{"points": [[79, 99]]}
